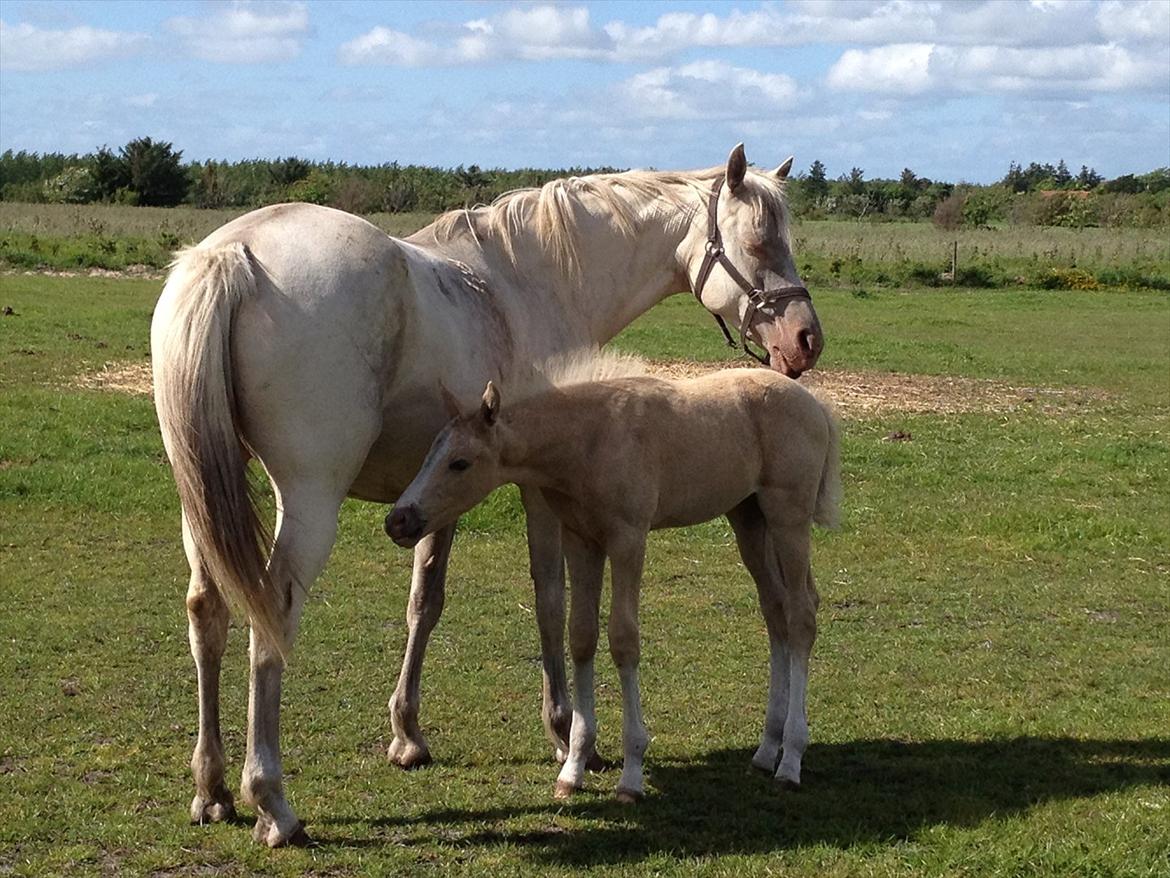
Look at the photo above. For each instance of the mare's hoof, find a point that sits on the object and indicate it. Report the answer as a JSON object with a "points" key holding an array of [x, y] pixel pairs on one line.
{"points": [[787, 783], [765, 764], [217, 809], [268, 833], [628, 797], [408, 754], [564, 790]]}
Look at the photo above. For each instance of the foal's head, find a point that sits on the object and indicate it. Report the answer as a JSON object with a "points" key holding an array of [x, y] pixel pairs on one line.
{"points": [[461, 468], [752, 221]]}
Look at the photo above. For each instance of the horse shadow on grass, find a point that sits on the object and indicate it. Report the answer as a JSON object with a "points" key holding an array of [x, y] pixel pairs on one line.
{"points": [[873, 791]]}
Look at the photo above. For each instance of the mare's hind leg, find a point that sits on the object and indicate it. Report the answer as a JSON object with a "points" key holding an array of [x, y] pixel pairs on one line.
{"points": [[790, 535], [751, 535], [207, 627], [427, 593], [305, 530]]}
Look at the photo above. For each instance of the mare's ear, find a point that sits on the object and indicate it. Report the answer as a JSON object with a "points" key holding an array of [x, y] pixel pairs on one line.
{"points": [[490, 409], [450, 403], [736, 168], [785, 167]]}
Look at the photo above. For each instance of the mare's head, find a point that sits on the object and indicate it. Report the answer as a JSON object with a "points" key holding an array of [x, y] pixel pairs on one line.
{"points": [[751, 219], [461, 468]]}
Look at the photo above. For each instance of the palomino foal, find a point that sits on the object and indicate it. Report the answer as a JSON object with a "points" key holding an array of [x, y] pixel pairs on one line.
{"points": [[620, 457]]}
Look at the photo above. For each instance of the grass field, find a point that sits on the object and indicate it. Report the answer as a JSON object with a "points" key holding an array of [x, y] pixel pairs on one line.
{"points": [[988, 695], [73, 237]]}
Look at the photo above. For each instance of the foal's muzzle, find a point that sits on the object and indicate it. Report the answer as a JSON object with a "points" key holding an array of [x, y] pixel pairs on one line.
{"points": [[405, 525]]}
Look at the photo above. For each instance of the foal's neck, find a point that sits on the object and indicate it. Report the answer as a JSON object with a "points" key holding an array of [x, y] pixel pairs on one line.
{"points": [[544, 442]]}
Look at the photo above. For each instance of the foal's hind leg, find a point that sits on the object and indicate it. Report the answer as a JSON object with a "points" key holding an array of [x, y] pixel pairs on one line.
{"points": [[207, 617], [791, 541], [751, 534], [428, 586], [305, 529]]}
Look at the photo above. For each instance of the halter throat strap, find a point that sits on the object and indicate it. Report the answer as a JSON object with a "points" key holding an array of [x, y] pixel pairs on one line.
{"points": [[757, 298]]}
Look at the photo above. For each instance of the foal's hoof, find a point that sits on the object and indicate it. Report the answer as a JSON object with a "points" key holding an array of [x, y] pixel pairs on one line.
{"points": [[408, 754], [216, 809], [629, 797], [266, 832], [564, 790]]}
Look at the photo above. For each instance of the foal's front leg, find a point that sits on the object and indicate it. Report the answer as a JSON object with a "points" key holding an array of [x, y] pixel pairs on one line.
{"points": [[626, 558], [423, 608], [586, 570]]}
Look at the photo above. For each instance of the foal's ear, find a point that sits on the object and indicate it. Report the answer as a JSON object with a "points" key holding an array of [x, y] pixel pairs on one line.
{"points": [[491, 404], [736, 168], [785, 167], [450, 403]]}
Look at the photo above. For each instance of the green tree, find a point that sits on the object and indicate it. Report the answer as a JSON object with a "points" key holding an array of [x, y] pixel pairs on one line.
{"points": [[816, 183], [155, 172]]}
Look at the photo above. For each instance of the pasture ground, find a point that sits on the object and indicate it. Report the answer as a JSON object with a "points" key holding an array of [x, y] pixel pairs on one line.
{"points": [[989, 690]]}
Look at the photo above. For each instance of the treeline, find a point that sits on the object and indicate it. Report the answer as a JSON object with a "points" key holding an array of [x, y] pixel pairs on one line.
{"points": [[151, 172]]}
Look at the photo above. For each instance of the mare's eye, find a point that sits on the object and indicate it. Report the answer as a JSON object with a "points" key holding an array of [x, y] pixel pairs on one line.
{"points": [[459, 465]]}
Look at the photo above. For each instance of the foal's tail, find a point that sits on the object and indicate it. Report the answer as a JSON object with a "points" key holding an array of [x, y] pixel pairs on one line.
{"points": [[827, 511], [195, 399]]}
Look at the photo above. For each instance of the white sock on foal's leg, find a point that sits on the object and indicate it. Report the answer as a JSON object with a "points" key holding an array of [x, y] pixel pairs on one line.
{"points": [[583, 734]]}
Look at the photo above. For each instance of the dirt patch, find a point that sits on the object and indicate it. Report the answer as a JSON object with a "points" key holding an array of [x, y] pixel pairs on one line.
{"points": [[138, 270], [868, 393], [854, 393]]}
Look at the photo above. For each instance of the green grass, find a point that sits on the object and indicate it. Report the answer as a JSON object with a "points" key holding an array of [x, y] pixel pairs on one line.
{"points": [[989, 687]]}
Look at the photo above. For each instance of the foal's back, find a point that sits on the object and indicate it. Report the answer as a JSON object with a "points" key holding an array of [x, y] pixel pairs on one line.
{"points": [[675, 452]]}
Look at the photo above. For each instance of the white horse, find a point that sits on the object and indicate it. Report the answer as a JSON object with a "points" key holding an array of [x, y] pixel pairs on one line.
{"points": [[308, 339]]}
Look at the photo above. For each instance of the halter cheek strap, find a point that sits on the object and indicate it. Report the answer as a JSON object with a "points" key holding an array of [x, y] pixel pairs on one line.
{"points": [[757, 298]]}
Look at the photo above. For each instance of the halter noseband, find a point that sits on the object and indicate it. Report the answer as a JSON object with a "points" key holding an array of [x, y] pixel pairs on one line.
{"points": [[757, 298]]}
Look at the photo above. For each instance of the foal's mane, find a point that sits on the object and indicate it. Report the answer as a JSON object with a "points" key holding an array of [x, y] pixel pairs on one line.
{"points": [[550, 210], [575, 367]]}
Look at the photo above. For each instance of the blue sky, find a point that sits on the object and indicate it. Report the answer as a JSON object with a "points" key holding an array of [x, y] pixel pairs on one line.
{"points": [[954, 89]]}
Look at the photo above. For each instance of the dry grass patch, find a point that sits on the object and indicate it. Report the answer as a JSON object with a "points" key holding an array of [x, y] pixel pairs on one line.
{"points": [[854, 393]]}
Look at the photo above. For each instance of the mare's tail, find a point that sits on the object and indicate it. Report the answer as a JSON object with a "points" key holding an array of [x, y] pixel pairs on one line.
{"points": [[195, 399]]}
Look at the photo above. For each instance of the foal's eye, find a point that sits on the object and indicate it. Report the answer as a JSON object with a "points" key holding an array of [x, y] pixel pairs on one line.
{"points": [[459, 465]]}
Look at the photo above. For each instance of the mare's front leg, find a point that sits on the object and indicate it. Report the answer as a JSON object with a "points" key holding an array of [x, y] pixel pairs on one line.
{"points": [[207, 628], [306, 527], [423, 608], [586, 571], [751, 535], [627, 554]]}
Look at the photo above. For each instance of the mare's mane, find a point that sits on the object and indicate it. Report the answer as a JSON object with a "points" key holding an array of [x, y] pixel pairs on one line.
{"points": [[549, 211]]}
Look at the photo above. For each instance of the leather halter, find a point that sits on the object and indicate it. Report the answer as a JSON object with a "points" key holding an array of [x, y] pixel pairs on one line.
{"points": [[757, 298]]}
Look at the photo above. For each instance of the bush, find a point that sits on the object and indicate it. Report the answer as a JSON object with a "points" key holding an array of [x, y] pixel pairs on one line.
{"points": [[1067, 279], [949, 213]]}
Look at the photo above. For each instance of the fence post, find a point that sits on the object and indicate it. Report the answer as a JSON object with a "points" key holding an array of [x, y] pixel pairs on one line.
{"points": [[955, 263]]}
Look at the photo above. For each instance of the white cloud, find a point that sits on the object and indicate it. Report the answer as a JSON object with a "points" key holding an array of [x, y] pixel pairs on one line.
{"points": [[384, 46], [1135, 20], [706, 90], [245, 34], [913, 69], [530, 33], [555, 31], [28, 48]]}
